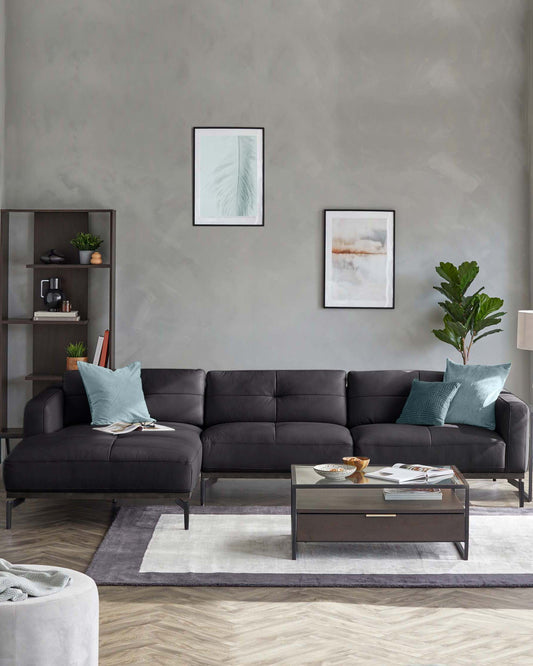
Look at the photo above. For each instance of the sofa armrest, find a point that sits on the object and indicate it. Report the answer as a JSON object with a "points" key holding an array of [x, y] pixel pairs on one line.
{"points": [[44, 412], [512, 423]]}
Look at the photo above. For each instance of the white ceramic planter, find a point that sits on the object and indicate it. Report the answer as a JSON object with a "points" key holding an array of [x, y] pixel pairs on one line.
{"points": [[85, 256]]}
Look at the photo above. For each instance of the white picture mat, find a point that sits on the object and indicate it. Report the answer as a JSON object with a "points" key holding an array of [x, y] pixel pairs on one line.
{"points": [[199, 132], [362, 216]]}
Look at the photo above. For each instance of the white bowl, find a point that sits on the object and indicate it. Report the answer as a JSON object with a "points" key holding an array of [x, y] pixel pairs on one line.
{"points": [[326, 471]]}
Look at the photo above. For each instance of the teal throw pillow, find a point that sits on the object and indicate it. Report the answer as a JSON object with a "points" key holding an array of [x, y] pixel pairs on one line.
{"points": [[114, 395], [480, 387], [428, 403]]}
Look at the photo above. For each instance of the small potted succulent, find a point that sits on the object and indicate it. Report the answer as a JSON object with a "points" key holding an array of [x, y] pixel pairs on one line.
{"points": [[86, 243], [76, 351]]}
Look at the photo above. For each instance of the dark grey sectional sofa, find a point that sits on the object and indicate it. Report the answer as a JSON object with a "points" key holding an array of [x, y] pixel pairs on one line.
{"points": [[247, 423]]}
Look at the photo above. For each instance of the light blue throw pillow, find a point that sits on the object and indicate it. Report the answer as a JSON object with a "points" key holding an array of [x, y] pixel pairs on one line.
{"points": [[114, 395], [480, 387], [428, 403]]}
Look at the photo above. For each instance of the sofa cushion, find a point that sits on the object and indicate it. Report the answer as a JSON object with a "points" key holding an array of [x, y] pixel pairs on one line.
{"points": [[114, 395], [170, 395], [470, 448], [428, 403], [378, 396], [275, 396], [273, 447], [79, 458], [480, 386]]}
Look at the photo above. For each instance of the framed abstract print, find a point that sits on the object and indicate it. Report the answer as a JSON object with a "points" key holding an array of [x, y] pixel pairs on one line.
{"points": [[359, 259]]}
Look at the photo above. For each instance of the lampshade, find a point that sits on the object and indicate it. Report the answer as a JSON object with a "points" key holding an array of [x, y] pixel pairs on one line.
{"points": [[524, 336]]}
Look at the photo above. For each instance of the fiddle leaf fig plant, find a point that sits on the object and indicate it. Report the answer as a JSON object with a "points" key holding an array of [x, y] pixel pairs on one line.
{"points": [[466, 318]]}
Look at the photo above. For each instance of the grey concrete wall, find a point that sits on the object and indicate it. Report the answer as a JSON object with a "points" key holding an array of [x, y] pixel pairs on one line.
{"points": [[2, 93], [416, 106]]}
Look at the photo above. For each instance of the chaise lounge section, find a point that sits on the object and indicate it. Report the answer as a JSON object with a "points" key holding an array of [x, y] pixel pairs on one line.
{"points": [[62, 454]]}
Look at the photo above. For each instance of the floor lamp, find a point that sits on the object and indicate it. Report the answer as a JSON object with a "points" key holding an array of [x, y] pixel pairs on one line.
{"points": [[524, 340]]}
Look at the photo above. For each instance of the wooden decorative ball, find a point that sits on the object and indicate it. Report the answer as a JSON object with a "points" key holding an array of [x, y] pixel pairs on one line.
{"points": [[96, 258]]}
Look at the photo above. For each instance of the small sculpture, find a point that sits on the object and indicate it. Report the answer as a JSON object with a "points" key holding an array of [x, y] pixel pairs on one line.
{"points": [[96, 258], [53, 257]]}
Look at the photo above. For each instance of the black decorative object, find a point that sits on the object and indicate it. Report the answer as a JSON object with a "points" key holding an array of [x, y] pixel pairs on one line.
{"points": [[53, 257], [53, 296]]}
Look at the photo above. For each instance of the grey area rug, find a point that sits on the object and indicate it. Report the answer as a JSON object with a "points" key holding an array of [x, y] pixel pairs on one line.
{"points": [[250, 546]]}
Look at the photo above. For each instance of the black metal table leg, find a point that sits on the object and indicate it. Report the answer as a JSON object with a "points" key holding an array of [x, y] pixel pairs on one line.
{"points": [[202, 490], [185, 506], [293, 523], [10, 505]]}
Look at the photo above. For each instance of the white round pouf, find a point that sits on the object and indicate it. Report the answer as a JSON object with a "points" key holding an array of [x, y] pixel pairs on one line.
{"points": [[58, 630]]}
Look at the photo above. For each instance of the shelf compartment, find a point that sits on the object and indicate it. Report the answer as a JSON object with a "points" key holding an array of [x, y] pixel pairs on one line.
{"points": [[57, 322], [14, 433], [69, 266]]}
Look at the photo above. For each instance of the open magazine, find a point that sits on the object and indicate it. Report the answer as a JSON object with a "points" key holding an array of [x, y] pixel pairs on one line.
{"points": [[401, 473], [120, 428]]}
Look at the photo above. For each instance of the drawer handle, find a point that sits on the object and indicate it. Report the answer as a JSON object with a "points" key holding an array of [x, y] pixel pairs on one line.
{"points": [[381, 515]]}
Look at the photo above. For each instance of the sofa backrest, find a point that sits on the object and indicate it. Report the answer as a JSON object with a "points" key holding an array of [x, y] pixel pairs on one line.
{"points": [[171, 395], [275, 396], [378, 396]]}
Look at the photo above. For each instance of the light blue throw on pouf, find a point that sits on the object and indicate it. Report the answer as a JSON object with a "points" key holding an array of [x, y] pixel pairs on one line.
{"points": [[481, 385], [114, 395], [18, 582]]}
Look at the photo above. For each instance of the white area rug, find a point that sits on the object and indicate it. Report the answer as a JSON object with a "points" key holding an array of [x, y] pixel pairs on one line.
{"points": [[149, 546]]}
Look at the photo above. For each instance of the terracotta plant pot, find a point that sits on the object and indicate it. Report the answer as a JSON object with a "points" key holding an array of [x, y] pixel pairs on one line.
{"points": [[72, 361]]}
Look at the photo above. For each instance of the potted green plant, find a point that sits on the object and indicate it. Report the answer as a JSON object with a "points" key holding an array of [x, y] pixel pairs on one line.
{"points": [[76, 351], [86, 243], [466, 318]]}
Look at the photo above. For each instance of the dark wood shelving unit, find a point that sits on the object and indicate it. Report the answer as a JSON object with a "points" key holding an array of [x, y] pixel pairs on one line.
{"points": [[55, 322], [53, 228], [44, 378], [50, 267]]}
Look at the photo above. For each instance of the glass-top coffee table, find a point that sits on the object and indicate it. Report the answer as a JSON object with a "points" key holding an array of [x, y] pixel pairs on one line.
{"points": [[354, 509]]}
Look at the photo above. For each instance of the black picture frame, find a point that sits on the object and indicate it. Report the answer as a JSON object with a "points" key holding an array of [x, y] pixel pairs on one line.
{"points": [[262, 198], [327, 305]]}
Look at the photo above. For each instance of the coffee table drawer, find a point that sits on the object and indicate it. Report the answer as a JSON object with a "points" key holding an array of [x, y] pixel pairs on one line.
{"points": [[380, 527]]}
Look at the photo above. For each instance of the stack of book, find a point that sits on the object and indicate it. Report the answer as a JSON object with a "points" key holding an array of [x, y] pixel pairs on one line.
{"points": [[46, 315], [101, 353], [412, 494]]}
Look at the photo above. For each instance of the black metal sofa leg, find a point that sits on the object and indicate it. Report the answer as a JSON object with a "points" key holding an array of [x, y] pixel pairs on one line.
{"points": [[185, 506], [521, 493], [10, 505]]}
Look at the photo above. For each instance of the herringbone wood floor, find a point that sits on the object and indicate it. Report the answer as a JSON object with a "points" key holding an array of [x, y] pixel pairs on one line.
{"points": [[197, 626]]}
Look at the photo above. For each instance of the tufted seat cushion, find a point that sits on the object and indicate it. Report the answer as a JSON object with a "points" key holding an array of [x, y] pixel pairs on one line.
{"points": [[273, 447], [470, 448]]}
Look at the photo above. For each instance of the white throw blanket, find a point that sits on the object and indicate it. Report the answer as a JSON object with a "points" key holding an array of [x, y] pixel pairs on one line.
{"points": [[18, 582]]}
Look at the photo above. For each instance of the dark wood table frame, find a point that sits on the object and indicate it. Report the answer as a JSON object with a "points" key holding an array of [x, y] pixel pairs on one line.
{"points": [[406, 521]]}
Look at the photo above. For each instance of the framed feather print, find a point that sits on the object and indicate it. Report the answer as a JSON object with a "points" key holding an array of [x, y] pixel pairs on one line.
{"points": [[228, 176]]}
